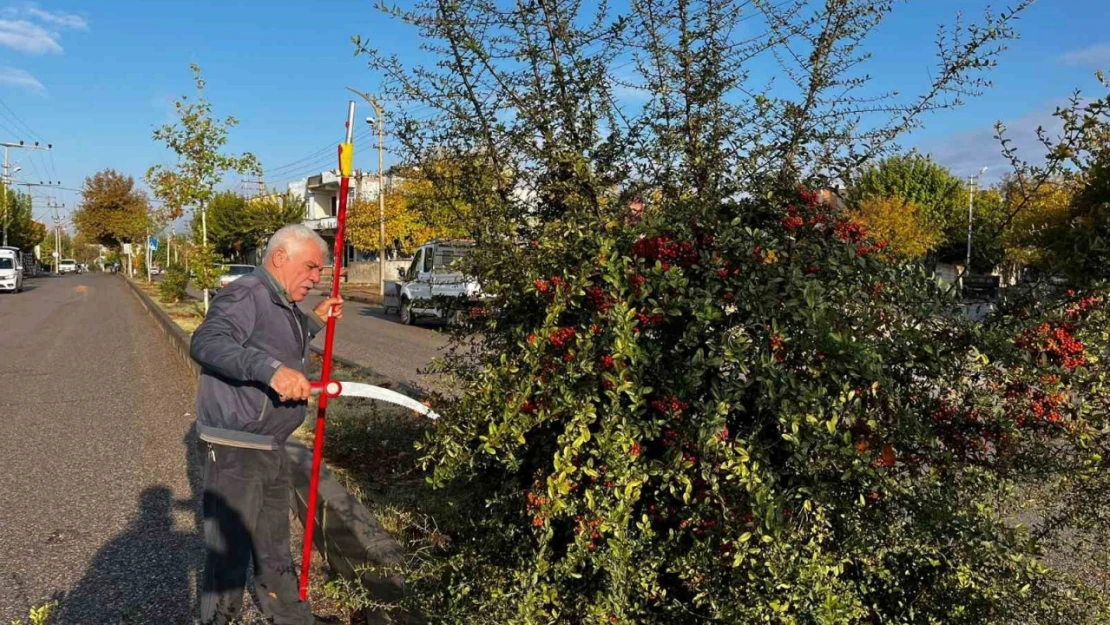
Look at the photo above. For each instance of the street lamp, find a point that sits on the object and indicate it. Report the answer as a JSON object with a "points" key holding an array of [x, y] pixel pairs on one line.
{"points": [[972, 181], [380, 122]]}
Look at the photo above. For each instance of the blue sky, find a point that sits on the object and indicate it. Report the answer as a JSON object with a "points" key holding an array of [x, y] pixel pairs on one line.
{"points": [[96, 77]]}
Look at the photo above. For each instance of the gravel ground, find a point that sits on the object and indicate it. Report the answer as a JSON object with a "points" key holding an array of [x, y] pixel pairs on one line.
{"points": [[98, 463]]}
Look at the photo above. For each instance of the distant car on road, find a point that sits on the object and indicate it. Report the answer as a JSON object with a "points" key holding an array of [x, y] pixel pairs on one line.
{"points": [[233, 273], [67, 265], [11, 270]]}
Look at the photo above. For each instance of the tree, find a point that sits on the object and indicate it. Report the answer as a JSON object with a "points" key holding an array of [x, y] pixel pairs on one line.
{"points": [[237, 223], [23, 231], [731, 409], [413, 214], [229, 224], [47, 247], [987, 249], [273, 211], [900, 223], [112, 211], [915, 178], [1046, 210], [198, 140]]}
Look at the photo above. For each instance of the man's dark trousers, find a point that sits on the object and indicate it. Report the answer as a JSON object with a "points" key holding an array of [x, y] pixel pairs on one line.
{"points": [[246, 513]]}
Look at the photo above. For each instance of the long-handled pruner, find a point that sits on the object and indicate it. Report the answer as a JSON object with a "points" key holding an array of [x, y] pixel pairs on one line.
{"points": [[336, 388]]}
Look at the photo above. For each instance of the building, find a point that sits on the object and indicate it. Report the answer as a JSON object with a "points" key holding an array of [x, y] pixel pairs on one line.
{"points": [[321, 196]]}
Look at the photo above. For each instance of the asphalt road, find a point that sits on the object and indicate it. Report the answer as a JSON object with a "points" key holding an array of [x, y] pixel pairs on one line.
{"points": [[95, 458], [369, 336]]}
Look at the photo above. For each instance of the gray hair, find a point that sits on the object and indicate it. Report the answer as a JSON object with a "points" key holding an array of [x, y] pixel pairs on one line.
{"points": [[294, 232]]}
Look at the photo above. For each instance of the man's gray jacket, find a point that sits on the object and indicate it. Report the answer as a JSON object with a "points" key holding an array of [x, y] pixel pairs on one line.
{"points": [[250, 331]]}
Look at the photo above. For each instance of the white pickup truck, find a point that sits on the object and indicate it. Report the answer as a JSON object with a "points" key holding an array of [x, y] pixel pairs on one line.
{"points": [[431, 286]]}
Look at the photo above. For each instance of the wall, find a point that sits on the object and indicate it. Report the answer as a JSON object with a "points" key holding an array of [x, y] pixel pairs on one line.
{"points": [[366, 272]]}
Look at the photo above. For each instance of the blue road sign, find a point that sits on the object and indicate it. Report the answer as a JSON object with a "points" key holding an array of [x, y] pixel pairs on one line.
{"points": [[154, 245]]}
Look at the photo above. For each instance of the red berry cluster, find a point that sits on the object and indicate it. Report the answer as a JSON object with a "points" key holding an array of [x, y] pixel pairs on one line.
{"points": [[808, 196], [666, 250], [792, 221], [967, 433], [850, 231], [1055, 342], [648, 320], [598, 299], [777, 348], [635, 451], [606, 362], [562, 337], [1024, 401], [1079, 308], [637, 281], [535, 502], [548, 288], [670, 438], [671, 406], [591, 527]]}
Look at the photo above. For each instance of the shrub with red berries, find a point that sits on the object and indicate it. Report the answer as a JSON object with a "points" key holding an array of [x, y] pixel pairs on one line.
{"points": [[752, 414]]}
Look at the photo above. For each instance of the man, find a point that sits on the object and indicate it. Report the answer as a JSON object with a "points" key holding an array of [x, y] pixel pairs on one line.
{"points": [[253, 348]]}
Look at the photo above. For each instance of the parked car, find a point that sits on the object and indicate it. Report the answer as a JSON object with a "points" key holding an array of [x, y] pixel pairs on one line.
{"points": [[67, 265], [432, 283], [11, 270], [233, 273]]}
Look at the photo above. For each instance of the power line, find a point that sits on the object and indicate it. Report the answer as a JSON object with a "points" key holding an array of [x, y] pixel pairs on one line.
{"points": [[321, 153], [20, 121]]}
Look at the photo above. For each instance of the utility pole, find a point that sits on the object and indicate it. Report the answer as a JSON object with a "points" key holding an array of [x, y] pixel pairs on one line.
{"points": [[5, 176], [381, 186], [54, 206], [972, 181]]}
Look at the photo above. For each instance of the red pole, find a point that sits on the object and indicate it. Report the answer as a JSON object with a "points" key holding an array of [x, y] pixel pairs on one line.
{"points": [[345, 156]]}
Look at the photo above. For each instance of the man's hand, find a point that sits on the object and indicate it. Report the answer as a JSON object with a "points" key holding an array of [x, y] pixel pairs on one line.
{"points": [[290, 385], [331, 307]]}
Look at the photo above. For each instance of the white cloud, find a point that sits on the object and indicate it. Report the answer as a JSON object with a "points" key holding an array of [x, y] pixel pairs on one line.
{"points": [[965, 152], [27, 37], [1097, 55], [58, 18], [28, 28], [20, 78]]}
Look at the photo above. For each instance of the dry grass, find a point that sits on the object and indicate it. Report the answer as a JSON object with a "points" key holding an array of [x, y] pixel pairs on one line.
{"points": [[186, 314]]}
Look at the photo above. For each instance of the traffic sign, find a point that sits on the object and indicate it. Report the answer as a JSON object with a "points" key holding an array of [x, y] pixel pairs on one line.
{"points": [[154, 245]]}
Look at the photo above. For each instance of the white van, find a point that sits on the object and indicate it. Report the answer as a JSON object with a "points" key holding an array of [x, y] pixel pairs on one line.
{"points": [[11, 270], [67, 265]]}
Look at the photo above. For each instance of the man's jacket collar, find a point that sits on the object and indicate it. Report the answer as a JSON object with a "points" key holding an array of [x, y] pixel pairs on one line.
{"points": [[277, 292]]}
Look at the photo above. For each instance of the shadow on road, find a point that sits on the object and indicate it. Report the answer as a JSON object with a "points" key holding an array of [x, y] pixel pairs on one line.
{"points": [[144, 575], [141, 575], [378, 313]]}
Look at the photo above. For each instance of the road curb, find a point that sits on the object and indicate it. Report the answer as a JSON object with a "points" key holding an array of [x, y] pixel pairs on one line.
{"points": [[348, 535], [179, 341]]}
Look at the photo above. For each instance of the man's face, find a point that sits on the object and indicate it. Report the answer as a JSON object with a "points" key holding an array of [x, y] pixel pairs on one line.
{"points": [[297, 267]]}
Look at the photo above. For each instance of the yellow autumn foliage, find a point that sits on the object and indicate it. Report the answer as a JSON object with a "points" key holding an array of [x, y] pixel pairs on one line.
{"points": [[901, 223], [410, 218]]}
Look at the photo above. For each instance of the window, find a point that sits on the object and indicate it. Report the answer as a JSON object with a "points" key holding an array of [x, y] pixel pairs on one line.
{"points": [[6, 263], [415, 266], [334, 205], [428, 261]]}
